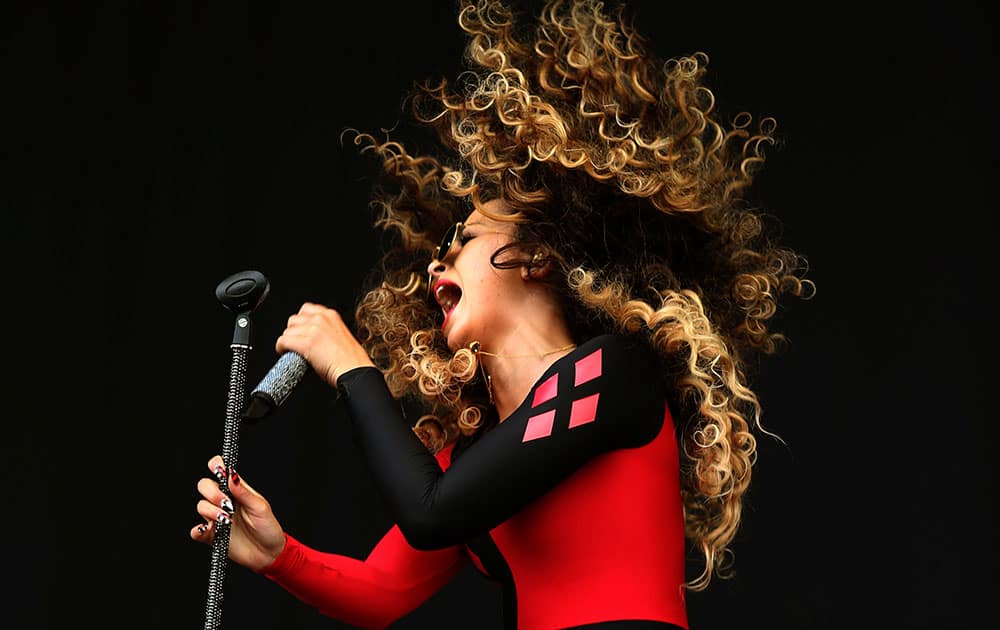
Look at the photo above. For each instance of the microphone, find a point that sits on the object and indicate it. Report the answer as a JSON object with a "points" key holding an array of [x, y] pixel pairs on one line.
{"points": [[275, 387]]}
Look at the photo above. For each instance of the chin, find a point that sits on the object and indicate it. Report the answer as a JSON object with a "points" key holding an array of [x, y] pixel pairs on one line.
{"points": [[454, 339], [458, 336]]}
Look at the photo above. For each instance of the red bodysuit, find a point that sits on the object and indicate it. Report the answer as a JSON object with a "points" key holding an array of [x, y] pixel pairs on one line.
{"points": [[572, 503]]}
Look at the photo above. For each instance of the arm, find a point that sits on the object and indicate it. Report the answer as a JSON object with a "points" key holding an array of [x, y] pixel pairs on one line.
{"points": [[391, 582], [602, 396]]}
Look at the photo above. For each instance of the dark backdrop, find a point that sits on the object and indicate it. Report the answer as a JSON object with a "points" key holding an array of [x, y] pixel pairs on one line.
{"points": [[152, 149]]}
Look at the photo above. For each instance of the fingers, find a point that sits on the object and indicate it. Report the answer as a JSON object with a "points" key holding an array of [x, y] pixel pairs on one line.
{"points": [[213, 513], [243, 495], [218, 467], [311, 324], [211, 492], [222, 472], [204, 533], [215, 506], [313, 313], [310, 308]]}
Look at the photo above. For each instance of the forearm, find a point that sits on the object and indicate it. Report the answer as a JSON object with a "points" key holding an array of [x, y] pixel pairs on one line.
{"points": [[402, 467], [373, 593]]}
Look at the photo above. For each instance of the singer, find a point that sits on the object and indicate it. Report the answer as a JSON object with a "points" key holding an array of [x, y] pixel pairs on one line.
{"points": [[576, 295]]}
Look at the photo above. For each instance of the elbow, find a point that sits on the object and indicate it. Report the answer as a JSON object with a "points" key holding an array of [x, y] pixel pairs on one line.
{"points": [[426, 534]]}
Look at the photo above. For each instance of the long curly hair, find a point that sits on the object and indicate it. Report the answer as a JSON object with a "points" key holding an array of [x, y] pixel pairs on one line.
{"points": [[618, 170]]}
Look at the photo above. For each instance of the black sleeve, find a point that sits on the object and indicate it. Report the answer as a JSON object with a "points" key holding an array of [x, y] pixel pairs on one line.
{"points": [[604, 395]]}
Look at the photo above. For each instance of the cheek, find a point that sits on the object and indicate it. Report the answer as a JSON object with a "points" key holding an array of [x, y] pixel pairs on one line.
{"points": [[496, 294], [490, 286], [483, 286]]}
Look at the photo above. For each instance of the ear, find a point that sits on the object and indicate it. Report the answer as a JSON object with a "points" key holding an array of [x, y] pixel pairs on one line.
{"points": [[537, 269]]}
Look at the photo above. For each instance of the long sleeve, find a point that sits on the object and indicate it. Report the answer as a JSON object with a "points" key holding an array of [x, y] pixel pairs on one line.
{"points": [[604, 395], [393, 580]]}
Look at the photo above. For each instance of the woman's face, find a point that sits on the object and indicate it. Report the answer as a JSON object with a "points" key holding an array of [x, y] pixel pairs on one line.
{"points": [[478, 301]]}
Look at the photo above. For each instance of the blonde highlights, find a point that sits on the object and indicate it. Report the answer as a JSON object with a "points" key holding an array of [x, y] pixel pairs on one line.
{"points": [[621, 172]]}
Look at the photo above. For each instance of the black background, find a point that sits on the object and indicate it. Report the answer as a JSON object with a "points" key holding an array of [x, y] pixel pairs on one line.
{"points": [[152, 149]]}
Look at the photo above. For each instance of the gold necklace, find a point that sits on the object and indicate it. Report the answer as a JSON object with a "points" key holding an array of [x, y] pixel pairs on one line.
{"points": [[477, 349]]}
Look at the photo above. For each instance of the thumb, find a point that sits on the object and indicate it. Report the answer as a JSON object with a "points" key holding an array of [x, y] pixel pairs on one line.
{"points": [[242, 493]]}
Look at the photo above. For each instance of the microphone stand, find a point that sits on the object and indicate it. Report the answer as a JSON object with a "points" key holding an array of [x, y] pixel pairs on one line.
{"points": [[242, 293]]}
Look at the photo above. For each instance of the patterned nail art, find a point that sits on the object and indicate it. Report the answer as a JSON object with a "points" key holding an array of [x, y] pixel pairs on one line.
{"points": [[234, 477], [220, 473], [227, 505], [223, 518], [202, 528]]}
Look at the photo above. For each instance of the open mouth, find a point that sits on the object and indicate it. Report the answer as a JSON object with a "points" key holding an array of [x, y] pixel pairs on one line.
{"points": [[447, 294]]}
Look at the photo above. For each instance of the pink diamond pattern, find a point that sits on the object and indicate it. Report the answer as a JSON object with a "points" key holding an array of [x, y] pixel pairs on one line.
{"points": [[539, 426], [547, 390], [588, 368], [584, 410]]}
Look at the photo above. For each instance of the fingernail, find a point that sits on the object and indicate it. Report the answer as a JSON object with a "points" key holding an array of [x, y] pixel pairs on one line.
{"points": [[223, 518], [220, 473], [227, 505], [233, 477], [202, 528]]}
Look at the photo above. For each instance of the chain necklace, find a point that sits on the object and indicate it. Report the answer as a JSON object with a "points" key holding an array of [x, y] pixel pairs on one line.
{"points": [[477, 350]]}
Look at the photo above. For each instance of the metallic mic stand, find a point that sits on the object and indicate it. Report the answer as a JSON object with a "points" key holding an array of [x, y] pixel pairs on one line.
{"points": [[241, 293]]}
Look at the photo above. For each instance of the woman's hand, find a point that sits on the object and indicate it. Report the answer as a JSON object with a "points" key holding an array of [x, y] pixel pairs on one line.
{"points": [[320, 335], [256, 538]]}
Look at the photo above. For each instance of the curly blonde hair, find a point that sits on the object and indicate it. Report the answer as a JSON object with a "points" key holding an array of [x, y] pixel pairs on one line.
{"points": [[617, 168]]}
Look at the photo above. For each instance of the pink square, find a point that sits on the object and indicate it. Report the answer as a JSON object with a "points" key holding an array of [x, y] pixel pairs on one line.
{"points": [[539, 426], [584, 410], [588, 368], [547, 390]]}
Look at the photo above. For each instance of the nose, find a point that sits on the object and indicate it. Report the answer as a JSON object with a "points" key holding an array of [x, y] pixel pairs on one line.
{"points": [[435, 268]]}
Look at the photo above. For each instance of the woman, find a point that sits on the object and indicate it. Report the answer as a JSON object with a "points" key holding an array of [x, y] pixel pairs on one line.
{"points": [[579, 340]]}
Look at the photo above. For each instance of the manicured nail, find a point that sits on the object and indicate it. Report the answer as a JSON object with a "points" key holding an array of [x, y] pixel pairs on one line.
{"points": [[220, 473], [233, 477], [227, 505], [202, 528], [223, 518]]}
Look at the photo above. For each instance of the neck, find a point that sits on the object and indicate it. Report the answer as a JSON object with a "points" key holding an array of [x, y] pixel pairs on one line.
{"points": [[517, 361]]}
